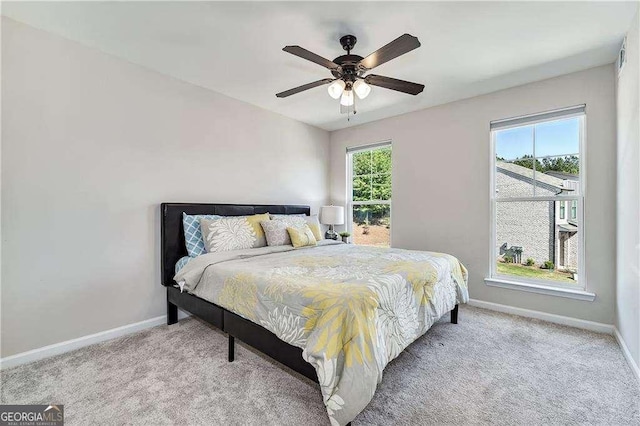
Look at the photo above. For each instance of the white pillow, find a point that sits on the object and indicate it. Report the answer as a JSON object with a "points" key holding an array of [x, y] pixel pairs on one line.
{"points": [[277, 234], [233, 232]]}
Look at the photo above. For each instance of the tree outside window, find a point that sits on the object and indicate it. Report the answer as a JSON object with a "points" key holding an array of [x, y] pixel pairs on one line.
{"points": [[371, 195]]}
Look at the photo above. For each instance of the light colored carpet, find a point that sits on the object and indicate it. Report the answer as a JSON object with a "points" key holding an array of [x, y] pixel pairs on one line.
{"points": [[491, 368]]}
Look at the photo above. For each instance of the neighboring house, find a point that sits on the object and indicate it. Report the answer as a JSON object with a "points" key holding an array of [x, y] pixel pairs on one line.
{"points": [[544, 230]]}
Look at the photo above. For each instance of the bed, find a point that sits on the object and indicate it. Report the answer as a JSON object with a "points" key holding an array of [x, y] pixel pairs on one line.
{"points": [[335, 313]]}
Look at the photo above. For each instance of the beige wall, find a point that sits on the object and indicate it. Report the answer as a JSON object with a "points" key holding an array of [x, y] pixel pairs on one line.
{"points": [[628, 212], [90, 146], [441, 181]]}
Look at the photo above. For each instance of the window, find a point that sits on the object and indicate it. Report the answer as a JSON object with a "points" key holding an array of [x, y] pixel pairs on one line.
{"points": [[369, 194], [536, 170]]}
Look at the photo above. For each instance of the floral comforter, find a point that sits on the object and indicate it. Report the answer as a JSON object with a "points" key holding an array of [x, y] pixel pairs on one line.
{"points": [[352, 309]]}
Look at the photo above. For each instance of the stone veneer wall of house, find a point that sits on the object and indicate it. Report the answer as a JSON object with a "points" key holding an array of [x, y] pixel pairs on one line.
{"points": [[570, 242], [520, 223], [572, 247]]}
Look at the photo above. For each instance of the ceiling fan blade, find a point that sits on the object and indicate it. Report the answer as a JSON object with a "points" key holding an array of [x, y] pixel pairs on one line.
{"points": [[394, 84], [403, 44], [310, 56], [304, 87]]}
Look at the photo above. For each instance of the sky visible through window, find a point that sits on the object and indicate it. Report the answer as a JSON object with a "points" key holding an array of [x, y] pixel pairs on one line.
{"points": [[560, 137]]}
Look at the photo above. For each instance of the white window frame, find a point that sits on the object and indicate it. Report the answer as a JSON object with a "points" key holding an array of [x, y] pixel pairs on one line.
{"points": [[578, 291], [349, 195]]}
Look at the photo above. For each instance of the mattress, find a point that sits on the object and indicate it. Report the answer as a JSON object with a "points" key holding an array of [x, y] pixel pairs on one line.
{"points": [[352, 309]]}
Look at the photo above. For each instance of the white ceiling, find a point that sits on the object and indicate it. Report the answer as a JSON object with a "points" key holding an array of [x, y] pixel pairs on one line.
{"points": [[468, 48]]}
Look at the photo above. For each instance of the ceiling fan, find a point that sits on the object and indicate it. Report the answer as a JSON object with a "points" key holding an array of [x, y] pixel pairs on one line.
{"points": [[349, 70]]}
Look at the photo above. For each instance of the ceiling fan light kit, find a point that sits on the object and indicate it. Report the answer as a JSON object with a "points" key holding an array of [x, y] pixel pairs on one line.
{"points": [[347, 97], [361, 88], [336, 88], [349, 71]]}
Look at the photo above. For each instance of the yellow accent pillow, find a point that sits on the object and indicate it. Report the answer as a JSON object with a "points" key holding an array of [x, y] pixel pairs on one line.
{"points": [[254, 221], [302, 236]]}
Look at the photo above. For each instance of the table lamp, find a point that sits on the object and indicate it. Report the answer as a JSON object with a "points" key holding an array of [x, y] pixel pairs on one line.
{"points": [[331, 215]]}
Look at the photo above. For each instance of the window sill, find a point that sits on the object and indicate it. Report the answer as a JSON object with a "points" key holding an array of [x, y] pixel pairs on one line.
{"points": [[541, 289]]}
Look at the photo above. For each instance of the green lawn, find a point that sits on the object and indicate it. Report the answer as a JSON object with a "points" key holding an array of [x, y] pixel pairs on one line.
{"points": [[533, 272]]}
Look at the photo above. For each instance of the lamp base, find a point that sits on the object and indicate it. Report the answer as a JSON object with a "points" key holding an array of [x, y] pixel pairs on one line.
{"points": [[331, 234]]}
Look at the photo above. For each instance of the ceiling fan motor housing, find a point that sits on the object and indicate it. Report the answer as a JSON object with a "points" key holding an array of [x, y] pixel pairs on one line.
{"points": [[348, 70]]}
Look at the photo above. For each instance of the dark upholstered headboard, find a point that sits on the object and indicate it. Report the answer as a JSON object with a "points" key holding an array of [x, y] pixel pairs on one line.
{"points": [[172, 232]]}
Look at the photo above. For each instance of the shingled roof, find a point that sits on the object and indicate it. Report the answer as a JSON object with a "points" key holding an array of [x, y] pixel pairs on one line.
{"points": [[525, 173]]}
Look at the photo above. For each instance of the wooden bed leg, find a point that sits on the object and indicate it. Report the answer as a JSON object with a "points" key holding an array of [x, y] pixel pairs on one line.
{"points": [[172, 313], [232, 348], [454, 315]]}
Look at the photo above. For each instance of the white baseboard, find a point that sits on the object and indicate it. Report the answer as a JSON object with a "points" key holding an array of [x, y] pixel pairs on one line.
{"points": [[627, 354], [556, 319], [80, 342]]}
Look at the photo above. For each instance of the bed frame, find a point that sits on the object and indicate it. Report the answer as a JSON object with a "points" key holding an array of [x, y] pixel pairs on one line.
{"points": [[173, 248]]}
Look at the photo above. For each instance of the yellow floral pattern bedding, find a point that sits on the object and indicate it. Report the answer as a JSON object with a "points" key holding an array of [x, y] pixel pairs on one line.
{"points": [[352, 309]]}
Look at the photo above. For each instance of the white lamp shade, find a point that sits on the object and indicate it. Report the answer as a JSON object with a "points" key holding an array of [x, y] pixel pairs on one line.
{"points": [[336, 88], [332, 215], [347, 98], [361, 88]]}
